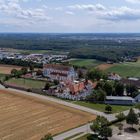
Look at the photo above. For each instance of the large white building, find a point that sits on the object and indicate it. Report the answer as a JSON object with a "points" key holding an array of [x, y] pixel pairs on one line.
{"points": [[59, 72]]}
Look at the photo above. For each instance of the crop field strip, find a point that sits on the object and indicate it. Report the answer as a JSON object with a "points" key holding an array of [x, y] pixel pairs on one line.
{"points": [[30, 118], [6, 69]]}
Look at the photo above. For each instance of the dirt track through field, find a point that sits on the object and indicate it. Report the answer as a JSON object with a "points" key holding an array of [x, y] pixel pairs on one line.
{"points": [[29, 118]]}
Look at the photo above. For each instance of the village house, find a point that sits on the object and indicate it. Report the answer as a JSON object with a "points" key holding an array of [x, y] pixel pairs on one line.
{"points": [[114, 76], [59, 72]]}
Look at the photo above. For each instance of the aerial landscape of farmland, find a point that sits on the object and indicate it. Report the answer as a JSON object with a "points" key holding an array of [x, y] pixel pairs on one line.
{"points": [[69, 70], [24, 117]]}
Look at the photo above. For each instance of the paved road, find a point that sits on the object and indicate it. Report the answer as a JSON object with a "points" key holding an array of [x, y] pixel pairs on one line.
{"points": [[84, 128]]}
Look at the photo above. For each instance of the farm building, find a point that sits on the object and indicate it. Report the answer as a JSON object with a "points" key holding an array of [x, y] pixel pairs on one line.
{"points": [[137, 98], [119, 100], [59, 72]]}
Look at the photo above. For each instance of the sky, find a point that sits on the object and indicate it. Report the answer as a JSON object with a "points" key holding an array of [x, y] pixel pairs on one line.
{"points": [[70, 16]]}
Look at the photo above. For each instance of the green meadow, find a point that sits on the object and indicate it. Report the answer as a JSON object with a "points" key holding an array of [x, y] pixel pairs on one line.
{"points": [[88, 63], [127, 69]]}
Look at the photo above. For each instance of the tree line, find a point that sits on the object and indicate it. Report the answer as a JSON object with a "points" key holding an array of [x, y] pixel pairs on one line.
{"points": [[100, 48]]}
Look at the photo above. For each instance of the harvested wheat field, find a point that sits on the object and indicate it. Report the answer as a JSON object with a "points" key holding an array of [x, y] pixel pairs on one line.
{"points": [[104, 66], [6, 69], [29, 118]]}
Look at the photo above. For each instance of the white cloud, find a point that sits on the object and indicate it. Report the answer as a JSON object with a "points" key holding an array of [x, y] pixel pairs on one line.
{"points": [[13, 9], [133, 1], [69, 12], [89, 7], [109, 13], [122, 13]]}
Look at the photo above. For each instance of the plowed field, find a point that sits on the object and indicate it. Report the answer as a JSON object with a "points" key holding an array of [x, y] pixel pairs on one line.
{"points": [[28, 118]]}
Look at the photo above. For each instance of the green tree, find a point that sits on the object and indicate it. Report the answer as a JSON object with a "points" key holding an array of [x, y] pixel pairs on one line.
{"points": [[101, 128], [131, 90], [119, 89], [108, 87], [100, 95], [31, 67], [108, 108], [97, 95], [47, 86], [56, 82], [80, 74], [47, 137], [100, 85], [24, 70], [105, 132], [132, 118], [92, 97], [14, 72], [120, 116], [96, 74], [6, 78], [18, 74]]}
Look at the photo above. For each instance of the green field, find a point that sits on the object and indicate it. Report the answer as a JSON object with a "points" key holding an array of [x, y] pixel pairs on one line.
{"points": [[85, 62], [40, 52], [128, 69], [26, 83], [101, 107]]}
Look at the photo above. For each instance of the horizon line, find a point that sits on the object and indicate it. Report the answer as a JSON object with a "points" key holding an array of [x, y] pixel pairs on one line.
{"points": [[69, 32]]}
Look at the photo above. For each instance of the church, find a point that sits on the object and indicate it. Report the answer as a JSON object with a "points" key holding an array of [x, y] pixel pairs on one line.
{"points": [[59, 72]]}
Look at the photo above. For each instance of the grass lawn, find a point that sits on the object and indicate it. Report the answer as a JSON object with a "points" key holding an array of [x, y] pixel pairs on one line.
{"points": [[69, 138], [2, 76], [85, 62], [101, 107], [131, 69], [27, 83], [83, 137]]}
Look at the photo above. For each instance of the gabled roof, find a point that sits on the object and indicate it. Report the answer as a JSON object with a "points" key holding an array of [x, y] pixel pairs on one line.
{"points": [[57, 67]]}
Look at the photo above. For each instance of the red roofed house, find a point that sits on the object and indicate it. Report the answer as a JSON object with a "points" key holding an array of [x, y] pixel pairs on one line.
{"points": [[76, 87], [59, 72]]}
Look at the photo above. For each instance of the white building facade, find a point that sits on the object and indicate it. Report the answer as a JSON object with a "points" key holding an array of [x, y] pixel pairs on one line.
{"points": [[59, 72]]}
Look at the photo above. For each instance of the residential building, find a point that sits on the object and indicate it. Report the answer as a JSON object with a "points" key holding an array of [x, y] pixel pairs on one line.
{"points": [[114, 76]]}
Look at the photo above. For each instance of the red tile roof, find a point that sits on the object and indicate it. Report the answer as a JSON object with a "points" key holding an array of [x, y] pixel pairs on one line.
{"points": [[57, 67], [59, 74], [74, 88]]}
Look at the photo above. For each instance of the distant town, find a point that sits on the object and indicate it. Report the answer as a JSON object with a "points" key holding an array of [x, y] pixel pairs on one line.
{"points": [[35, 58]]}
